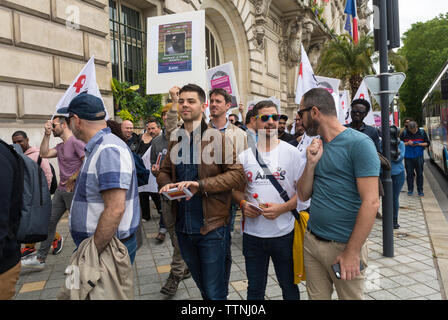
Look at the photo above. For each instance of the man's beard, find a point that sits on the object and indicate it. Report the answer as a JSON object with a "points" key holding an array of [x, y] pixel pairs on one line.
{"points": [[312, 128], [76, 133], [55, 134]]}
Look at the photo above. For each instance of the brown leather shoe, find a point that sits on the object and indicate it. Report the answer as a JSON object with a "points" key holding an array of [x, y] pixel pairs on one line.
{"points": [[171, 285], [187, 274], [160, 237]]}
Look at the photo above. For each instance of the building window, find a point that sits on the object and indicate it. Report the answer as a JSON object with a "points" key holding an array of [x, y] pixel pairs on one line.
{"points": [[211, 48], [127, 41]]}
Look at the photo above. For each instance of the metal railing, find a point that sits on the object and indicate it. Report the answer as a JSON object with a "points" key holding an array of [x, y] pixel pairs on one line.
{"points": [[128, 51]]}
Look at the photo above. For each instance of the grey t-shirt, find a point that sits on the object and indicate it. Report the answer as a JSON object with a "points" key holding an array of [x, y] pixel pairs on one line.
{"points": [[335, 200]]}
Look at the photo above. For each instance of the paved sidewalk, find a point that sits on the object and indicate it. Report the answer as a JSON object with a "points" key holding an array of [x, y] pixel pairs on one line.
{"points": [[412, 274]]}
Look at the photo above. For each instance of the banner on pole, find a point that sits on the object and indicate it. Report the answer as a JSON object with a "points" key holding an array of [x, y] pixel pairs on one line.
{"points": [[306, 80], [85, 81]]}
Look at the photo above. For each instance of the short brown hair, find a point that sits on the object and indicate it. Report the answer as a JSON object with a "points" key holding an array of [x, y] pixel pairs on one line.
{"points": [[151, 120], [194, 88], [223, 92], [320, 98], [263, 104]]}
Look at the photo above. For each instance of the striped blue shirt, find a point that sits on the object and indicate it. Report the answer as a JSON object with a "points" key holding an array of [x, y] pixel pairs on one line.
{"points": [[108, 165]]}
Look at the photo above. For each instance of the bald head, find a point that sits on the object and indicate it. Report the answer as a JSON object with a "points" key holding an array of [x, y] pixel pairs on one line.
{"points": [[127, 128]]}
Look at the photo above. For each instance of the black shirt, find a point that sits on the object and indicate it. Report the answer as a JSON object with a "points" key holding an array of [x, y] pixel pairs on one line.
{"points": [[137, 145], [286, 136]]}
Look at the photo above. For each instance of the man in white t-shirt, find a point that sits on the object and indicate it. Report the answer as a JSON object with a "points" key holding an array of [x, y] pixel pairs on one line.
{"points": [[269, 233]]}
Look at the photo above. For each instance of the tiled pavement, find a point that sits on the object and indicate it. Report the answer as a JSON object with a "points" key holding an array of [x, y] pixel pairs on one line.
{"points": [[411, 274]]}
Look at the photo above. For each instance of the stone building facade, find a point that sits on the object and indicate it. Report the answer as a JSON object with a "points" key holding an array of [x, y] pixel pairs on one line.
{"points": [[45, 43]]}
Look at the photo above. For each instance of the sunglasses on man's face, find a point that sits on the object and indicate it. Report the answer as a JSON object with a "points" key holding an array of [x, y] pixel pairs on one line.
{"points": [[68, 119], [359, 112], [302, 111], [265, 117]]}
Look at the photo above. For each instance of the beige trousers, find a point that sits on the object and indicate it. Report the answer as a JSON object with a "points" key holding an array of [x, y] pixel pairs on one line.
{"points": [[318, 257], [8, 282]]}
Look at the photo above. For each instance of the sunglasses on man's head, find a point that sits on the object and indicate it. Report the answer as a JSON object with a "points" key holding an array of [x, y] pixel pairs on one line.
{"points": [[265, 117]]}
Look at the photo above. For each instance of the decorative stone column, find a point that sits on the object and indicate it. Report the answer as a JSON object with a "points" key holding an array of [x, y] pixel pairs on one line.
{"points": [[261, 13]]}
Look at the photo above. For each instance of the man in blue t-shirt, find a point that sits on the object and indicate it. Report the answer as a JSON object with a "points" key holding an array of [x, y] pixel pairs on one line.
{"points": [[416, 141], [341, 178]]}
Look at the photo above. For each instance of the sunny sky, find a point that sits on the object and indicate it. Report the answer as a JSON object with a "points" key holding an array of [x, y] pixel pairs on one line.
{"points": [[412, 11]]}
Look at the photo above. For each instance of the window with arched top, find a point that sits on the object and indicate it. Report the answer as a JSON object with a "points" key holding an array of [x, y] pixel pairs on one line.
{"points": [[212, 50]]}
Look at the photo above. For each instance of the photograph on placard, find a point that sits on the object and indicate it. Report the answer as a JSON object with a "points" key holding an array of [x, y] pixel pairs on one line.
{"points": [[175, 47]]}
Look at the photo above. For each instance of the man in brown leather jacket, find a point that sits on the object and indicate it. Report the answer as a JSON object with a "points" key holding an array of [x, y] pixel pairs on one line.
{"points": [[202, 160]]}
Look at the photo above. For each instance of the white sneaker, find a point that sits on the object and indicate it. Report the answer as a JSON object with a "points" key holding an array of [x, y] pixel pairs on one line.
{"points": [[33, 263]]}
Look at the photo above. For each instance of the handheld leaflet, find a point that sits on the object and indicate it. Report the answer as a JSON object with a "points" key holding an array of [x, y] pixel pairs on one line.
{"points": [[174, 193]]}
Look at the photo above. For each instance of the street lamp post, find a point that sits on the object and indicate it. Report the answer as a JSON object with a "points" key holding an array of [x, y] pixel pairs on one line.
{"points": [[388, 234]]}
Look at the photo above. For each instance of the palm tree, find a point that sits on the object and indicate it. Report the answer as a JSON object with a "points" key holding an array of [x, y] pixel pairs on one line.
{"points": [[399, 62], [345, 60]]}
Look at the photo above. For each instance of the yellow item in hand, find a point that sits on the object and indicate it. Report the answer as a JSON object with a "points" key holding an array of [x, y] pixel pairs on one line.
{"points": [[297, 247]]}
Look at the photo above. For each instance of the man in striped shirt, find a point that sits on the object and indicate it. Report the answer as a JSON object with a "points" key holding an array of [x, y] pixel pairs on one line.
{"points": [[106, 196]]}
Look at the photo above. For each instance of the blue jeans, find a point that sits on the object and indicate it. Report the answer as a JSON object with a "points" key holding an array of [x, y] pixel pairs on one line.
{"points": [[257, 252], [233, 209], [131, 245], [397, 184], [414, 167], [205, 257]]}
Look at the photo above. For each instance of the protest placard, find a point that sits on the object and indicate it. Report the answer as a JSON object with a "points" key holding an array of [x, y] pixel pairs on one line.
{"points": [[223, 76], [175, 51]]}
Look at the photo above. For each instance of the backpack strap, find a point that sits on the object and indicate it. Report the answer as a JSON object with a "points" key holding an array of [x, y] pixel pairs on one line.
{"points": [[40, 170]]}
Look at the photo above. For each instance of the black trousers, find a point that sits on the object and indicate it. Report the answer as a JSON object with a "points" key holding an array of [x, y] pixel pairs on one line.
{"points": [[144, 203]]}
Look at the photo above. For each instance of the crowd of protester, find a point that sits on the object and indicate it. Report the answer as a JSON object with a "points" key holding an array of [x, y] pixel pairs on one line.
{"points": [[319, 170]]}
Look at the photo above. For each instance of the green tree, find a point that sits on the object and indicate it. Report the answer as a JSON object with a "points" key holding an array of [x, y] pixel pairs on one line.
{"points": [[345, 60], [131, 101], [425, 46]]}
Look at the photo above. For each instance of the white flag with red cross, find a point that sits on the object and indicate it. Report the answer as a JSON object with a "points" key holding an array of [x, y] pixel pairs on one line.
{"points": [[85, 81], [306, 80], [363, 93]]}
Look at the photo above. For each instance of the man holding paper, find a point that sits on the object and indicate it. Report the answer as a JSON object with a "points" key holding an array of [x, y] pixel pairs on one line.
{"points": [[159, 150], [196, 160]]}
